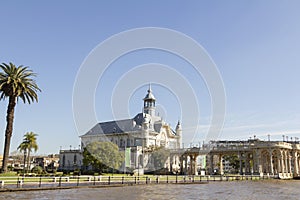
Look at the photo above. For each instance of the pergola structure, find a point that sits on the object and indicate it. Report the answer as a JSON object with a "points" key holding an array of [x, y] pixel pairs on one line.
{"points": [[279, 158]]}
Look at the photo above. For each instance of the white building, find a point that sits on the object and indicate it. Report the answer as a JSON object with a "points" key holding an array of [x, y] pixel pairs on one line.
{"points": [[70, 160], [145, 131]]}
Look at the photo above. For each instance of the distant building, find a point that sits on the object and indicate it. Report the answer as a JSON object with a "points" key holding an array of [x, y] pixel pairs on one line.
{"points": [[70, 160], [48, 163]]}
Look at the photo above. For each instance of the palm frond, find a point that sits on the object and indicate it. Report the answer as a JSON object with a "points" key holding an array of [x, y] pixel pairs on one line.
{"points": [[18, 82]]}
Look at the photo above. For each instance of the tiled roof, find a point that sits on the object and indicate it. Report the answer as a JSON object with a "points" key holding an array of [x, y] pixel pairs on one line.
{"points": [[118, 126], [124, 126]]}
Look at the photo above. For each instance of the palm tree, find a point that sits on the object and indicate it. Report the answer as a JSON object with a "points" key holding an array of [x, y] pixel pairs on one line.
{"points": [[15, 83], [29, 143], [23, 147]]}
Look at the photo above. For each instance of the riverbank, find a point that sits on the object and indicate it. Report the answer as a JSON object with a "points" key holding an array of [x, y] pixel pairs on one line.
{"points": [[12, 184], [88, 186]]}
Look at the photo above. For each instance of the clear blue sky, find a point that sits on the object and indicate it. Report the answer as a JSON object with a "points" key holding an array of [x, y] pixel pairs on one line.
{"points": [[255, 45]]}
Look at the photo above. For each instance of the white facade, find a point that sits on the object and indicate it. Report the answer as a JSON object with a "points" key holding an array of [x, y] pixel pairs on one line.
{"points": [[146, 130]]}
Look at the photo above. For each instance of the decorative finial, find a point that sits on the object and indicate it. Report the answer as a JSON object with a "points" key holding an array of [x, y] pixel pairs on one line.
{"points": [[149, 90]]}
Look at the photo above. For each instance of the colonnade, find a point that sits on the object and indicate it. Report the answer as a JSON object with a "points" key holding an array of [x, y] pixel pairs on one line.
{"points": [[273, 158], [278, 161]]}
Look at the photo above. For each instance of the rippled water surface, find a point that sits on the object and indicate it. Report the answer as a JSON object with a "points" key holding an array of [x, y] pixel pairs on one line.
{"points": [[271, 189]]}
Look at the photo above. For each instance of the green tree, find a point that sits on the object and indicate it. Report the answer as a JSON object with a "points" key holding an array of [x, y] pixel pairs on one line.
{"points": [[29, 143], [23, 148], [160, 156], [102, 155], [15, 83], [234, 161]]}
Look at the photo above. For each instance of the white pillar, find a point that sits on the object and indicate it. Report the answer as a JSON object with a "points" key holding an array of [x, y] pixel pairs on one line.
{"points": [[290, 162], [196, 165], [296, 171], [271, 162], [298, 160], [221, 164], [286, 163], [278, 161], [185, 165], [259, 163], [282, 162]]}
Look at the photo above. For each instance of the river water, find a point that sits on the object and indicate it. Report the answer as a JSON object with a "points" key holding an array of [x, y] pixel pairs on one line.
{"points": [[264, 189]]}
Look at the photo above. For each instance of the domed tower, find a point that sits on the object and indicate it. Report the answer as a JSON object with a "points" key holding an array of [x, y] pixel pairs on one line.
{"points": [[179, 134], [149, 103]]}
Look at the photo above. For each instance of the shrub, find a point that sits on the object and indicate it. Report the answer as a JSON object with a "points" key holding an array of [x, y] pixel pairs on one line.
{"points": [[37, 170]]}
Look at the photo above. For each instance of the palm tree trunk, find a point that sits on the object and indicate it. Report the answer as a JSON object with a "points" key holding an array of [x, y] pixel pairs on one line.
{"points": [[25, 160], [8, 131], [28, 161]]}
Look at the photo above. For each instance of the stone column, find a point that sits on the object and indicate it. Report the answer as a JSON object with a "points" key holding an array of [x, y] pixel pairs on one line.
{"points": [[278, 162], [185, 165], [181, 164], [247, 164], [271, 162], [255, 162], [286, 162], [211, 163], [250, 163], [298, 163], [282, 161], [259, 163], [290, 162], [241, 166], [191, 165], [298, 160], [221, 164], [195, 165], [296, 170]]}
